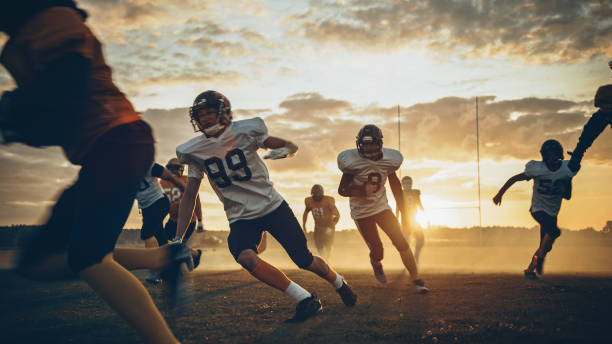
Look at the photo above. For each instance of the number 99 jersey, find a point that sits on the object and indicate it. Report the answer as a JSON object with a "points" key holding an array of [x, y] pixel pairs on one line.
{"points": [[367, 170], [548, 186], [235, 170]]}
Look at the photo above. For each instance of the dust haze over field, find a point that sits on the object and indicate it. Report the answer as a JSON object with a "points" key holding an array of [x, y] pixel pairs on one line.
{"points": [[450, 250]]}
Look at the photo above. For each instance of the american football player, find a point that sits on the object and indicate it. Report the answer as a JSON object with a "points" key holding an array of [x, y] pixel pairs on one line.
{"points": [[365, 171], [595, 125], [175, 194], [226, 152], [551, 183], [65, 97], [325, 215], [412, 203]]}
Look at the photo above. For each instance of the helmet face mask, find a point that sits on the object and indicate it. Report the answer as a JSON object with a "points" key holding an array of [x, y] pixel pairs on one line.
{"points": [[551, 151], [221, 106], [370, 136]]}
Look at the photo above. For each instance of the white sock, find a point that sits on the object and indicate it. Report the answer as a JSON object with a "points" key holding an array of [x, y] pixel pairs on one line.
{"points": [[338, 282], [296, 292]]}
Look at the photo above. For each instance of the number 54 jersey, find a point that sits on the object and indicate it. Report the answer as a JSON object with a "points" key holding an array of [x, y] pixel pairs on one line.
{"points": [[548, 186], [374, 171], [235, 170]]}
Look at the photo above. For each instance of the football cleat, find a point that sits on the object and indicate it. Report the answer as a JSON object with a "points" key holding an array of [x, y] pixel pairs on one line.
{"points": [[420, 286], [306, 308], [346, 293], [530, 275], [196, 255], [379, 273]]}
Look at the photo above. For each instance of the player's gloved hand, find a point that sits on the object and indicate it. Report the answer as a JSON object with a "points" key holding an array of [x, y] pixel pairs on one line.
{"points": [[369, 188], [278, 153], [200, 227]]}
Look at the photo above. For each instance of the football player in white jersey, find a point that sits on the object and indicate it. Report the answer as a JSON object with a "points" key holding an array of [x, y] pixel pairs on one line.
{"points": [[412, 203], [551, 183], [227, 153], [365, 172]]}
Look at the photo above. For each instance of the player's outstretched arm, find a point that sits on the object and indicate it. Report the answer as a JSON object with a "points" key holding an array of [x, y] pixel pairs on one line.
{"points": [[396, 189], [280, 148], [498, 198], [335, 214], [169, 176], [198, 211], [186, 206], [304, 218]]}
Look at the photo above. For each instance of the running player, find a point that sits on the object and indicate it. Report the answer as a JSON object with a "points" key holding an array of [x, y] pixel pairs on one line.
{"points": [[364, 173], [227, 153], [412, 204], [65, 97], [551, 183]]}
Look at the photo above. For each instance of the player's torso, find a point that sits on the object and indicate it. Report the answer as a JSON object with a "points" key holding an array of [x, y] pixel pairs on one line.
{"points": [[236, 171], [548, 187], [174, 195], [373, 171], [322, 211], [149, 191], [411, 199], [33, 48]]}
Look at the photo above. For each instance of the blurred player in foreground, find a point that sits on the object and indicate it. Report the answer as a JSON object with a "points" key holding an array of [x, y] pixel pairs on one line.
{"points": [[65, 97]]}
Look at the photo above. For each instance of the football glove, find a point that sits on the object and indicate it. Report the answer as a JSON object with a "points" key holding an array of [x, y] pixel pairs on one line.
{"points": [[278, 153]]}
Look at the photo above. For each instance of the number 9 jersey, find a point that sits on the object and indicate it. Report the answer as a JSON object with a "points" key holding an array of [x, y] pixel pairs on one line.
{"points": [[373, 171], [235, 170], [548, 186]]}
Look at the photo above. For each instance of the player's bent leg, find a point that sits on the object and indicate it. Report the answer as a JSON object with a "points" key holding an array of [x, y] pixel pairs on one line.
{"points": [[126, 295], [369, 233], [325, 271]]}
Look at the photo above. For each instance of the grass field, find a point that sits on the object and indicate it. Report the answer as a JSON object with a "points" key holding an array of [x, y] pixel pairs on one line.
{"points": [[231, 307]]}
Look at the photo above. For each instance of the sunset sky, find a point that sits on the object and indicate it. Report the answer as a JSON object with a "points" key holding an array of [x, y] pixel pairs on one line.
{"points": [[317, 71]]}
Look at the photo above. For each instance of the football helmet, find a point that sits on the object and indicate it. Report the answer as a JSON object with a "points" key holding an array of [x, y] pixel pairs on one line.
{"points": [[370, 134], [175, 166], [407, 183], [317, 192], [211, 99], [552, 146], [610, 64]]}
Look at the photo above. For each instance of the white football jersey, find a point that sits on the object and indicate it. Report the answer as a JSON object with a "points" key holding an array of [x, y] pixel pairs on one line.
{"points": [[235, 170], [366, 170], [548, 186], [149, 191]]}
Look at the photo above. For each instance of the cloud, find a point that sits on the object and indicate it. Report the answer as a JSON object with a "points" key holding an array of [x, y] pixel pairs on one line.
{"points": [[532, 31]]}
